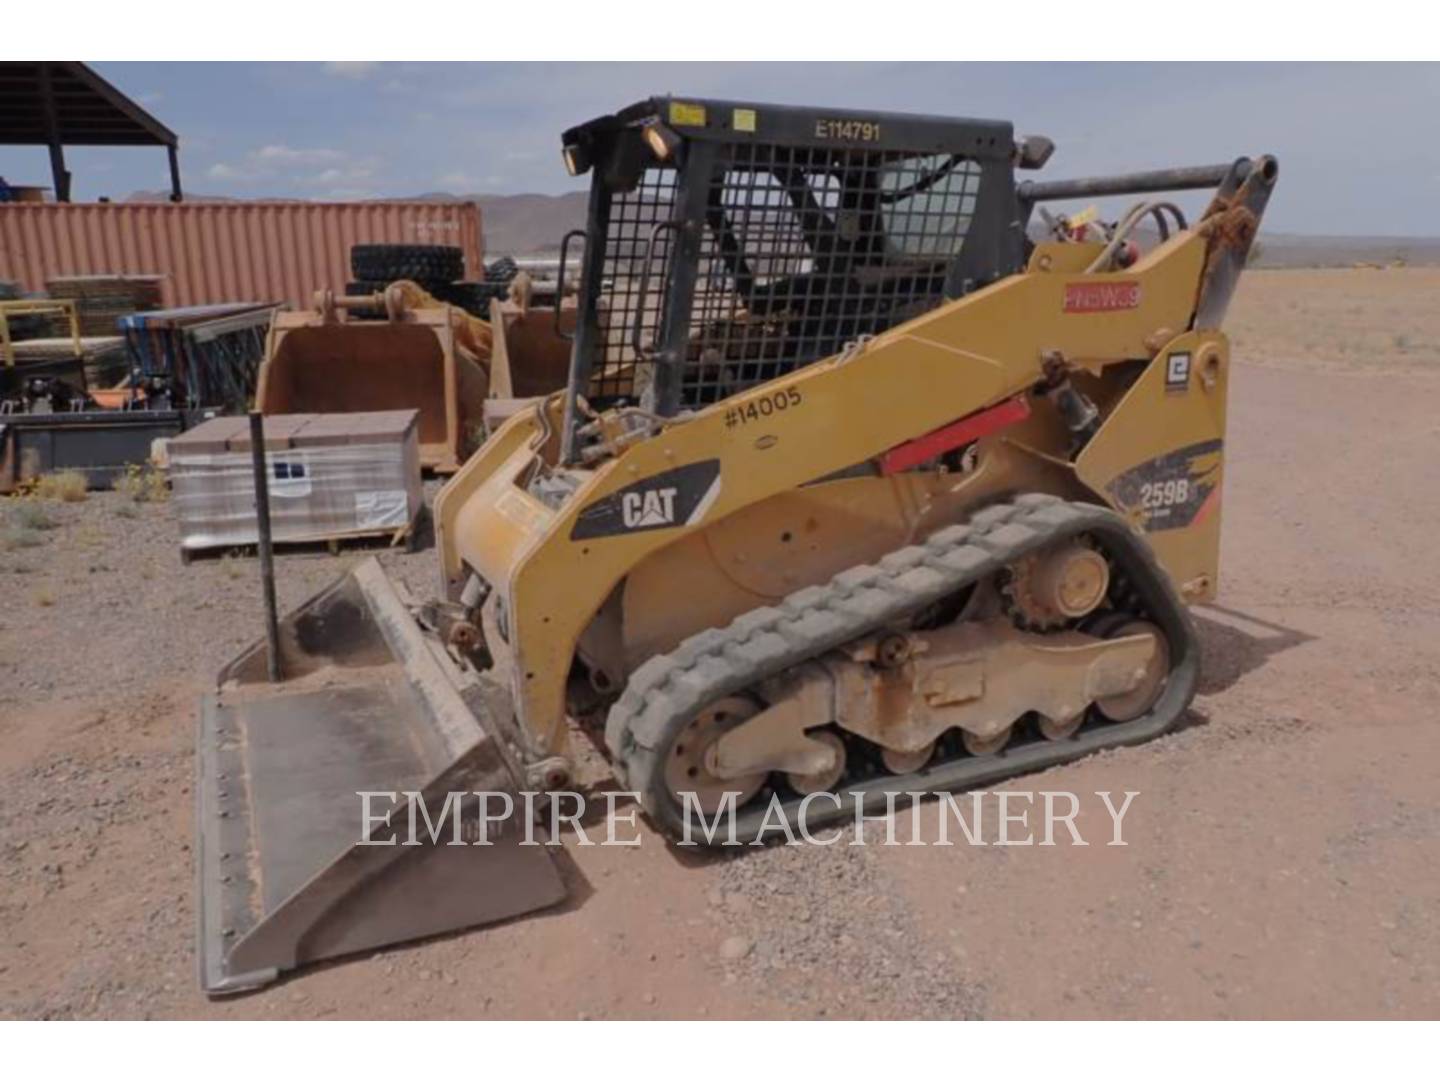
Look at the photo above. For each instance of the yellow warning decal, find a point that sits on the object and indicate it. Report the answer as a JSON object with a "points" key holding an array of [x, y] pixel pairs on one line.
{"points": [[743, 120], [684, 115]]}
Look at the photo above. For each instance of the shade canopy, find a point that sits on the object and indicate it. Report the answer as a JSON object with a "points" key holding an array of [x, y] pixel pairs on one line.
{"points": [[65, 103]]}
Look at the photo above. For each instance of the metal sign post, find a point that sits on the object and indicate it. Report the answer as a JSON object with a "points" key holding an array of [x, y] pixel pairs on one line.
{"points": [[267, 555]]}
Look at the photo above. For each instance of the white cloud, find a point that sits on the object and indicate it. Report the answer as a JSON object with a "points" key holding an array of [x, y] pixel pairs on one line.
{"points": [[351, 69], [351, 175], [280, 165], [289, 155]]}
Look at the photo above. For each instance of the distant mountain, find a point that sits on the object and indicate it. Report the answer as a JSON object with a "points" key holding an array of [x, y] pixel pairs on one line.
{"points": [[526, 224], [531, 224]]}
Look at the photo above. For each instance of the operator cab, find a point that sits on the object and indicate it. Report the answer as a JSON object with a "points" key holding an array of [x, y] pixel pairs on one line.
{"points": [[729, 243]]}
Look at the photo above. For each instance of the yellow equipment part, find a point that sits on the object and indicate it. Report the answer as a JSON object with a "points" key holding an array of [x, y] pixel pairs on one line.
{"points": [[453, 368], [553, 585]]}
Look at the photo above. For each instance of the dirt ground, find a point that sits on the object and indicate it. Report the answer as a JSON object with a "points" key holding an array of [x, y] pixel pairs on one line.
{"points": [[1281, 850]]}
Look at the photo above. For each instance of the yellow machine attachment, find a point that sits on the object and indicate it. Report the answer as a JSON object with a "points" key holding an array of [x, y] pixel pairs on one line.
{"points": [[459, 372], [909, 501]]}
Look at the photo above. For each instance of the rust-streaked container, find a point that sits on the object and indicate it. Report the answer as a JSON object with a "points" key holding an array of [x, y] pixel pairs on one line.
{"points": [[211, 253]]}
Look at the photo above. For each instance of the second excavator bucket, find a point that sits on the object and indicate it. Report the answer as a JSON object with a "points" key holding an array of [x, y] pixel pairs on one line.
{"points": [[316, 365], [294, 864]]}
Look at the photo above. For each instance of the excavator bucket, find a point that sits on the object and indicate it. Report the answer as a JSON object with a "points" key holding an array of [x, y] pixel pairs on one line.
{"points": [[295, 865], [315, 364]]}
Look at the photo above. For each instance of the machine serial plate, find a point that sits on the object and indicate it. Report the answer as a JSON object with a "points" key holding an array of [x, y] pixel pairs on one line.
{"points": [[848, 130]]}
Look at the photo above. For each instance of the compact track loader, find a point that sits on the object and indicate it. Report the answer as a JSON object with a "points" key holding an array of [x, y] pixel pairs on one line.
{"points": [[864, 481]]}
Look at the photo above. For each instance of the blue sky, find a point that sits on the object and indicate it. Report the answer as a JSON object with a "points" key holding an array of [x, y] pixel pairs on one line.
{"points": [[1356, 142]]}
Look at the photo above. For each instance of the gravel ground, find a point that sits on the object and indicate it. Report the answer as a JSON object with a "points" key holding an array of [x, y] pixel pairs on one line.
{"points": [[105, 580], [107, 641], [824, 915], [1282, 849]]}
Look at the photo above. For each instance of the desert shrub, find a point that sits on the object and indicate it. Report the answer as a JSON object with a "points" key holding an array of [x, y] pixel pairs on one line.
{"points": [[141, 484], [68, 486], [29, 514]]}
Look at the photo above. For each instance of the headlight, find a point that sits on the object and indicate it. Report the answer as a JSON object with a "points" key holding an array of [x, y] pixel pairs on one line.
{"points": [[577, 161], [663, 142]]}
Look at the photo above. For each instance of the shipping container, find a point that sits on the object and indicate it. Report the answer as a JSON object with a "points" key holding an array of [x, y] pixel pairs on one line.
{"points": [[212, 253]]}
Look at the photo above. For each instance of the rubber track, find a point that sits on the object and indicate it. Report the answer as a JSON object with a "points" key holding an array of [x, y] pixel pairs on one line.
{"points": [[667, 691]]}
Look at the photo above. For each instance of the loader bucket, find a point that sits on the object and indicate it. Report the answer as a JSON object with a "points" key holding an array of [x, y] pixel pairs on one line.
{"points": [[531, 358], [373, 366], [370, 703]]}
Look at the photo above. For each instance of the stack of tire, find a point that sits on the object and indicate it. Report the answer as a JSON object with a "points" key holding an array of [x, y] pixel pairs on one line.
{"points": [[437, 269]]}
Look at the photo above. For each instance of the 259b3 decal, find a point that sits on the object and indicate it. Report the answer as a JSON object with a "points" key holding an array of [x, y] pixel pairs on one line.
{"points": [[1162, 493], [1171, 491]]}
